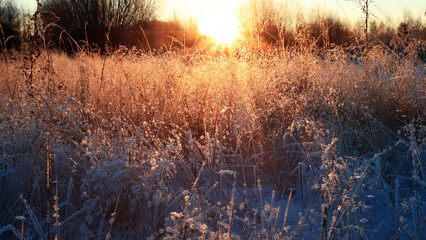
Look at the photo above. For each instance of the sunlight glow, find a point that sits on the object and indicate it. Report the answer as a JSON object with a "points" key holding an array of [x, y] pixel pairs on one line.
{"points": [[224, 29], [217, 19]]}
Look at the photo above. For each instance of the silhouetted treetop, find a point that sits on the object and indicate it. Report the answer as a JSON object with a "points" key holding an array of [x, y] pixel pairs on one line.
{"points": [[10, 24], [92, 19]]}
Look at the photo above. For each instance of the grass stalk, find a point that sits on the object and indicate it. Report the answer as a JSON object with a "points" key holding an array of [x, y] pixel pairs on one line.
{"points": [[48, 184]]}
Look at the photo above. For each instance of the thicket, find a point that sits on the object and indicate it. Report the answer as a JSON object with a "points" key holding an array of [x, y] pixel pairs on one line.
{"points": [[100, 22], [272, 24], [10, 32]]}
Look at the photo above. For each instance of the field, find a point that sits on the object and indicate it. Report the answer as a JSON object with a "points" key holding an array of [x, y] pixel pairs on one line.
{"points": [[286, 144]]}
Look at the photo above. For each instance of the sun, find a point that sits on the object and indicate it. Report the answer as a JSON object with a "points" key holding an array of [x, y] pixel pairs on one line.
{"points": [[219, 21], [224, 29]]}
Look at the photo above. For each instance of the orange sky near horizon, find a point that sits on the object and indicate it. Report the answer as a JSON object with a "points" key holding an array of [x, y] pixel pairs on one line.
{"points": [[393, 8], [217, 18], [344, 8]]}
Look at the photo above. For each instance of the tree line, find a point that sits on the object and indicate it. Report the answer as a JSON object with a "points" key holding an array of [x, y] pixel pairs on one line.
{"points": [[278, 23], [96, 24], [134, 23], [10, 35]]}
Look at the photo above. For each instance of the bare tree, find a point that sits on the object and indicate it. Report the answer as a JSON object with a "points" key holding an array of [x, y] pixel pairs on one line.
{"points": [[91, 19], [364, 5], [9, 25]]}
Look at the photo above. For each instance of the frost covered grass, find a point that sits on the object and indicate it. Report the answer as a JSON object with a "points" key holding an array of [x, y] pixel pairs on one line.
{"points": [[291, 144]]}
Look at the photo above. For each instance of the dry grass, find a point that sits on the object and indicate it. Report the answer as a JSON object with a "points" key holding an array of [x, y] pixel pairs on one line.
{"points": [[136, 130]]}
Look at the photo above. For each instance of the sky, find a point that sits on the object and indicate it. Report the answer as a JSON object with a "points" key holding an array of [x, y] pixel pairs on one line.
{"points": [[217, 15], [348, 7], [345, 8]]}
